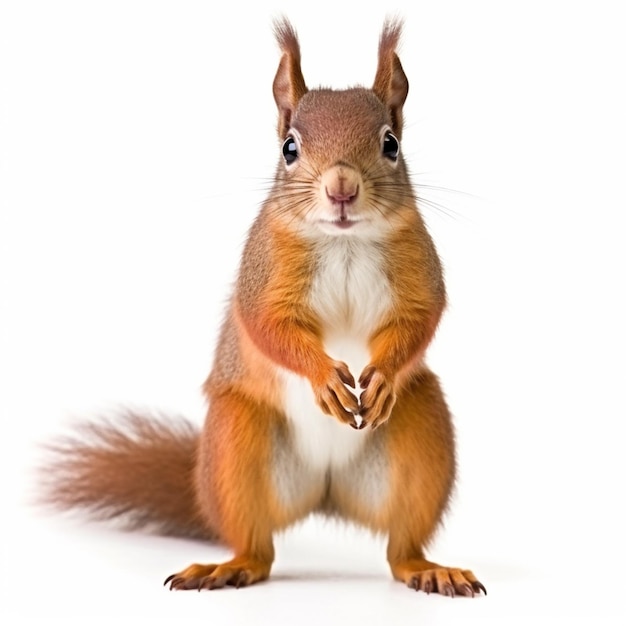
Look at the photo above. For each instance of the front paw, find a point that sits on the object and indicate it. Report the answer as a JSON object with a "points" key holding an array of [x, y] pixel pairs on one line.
{"points": [[333, 397], [377, 399]]}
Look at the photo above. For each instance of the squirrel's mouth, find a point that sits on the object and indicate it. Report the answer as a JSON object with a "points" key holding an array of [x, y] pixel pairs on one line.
{"points": [[343, 222]]}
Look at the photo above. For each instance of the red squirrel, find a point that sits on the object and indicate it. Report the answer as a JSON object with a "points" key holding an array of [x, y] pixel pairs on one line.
{"points": [[319, 399]]}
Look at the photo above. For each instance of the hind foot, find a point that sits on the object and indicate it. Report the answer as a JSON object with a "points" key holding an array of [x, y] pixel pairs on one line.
{"points": [[240, 572], [422, 575]]}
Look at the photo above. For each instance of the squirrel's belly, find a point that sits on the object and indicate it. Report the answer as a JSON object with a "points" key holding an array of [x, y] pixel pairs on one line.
{"points": [[350, 295], [321, 453], [321, 440]]}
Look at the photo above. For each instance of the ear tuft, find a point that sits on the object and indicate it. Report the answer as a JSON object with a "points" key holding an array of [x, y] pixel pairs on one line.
{"points": [[391, 84], [289, 85]]}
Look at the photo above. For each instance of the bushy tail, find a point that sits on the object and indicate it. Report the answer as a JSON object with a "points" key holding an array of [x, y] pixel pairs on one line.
{"points": [[137, 470]]}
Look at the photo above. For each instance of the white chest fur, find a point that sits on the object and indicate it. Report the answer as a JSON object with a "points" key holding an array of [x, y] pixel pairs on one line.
{"points": [[350, 294]]}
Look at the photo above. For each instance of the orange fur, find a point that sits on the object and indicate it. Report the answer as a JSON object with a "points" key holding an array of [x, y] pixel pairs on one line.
{"points": [[339, 284]]}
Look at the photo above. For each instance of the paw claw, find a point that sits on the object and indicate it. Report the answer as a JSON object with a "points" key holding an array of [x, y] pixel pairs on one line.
{"points": [[378, 398], [332, 394], [345, 375], [366, 376]]}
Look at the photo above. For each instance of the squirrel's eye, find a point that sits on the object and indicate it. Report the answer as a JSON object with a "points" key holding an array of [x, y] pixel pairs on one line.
{"points": [[290, 150], [391, 146]]}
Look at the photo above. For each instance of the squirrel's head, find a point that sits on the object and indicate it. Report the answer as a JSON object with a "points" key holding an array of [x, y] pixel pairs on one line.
{"points": [[341, 170]]}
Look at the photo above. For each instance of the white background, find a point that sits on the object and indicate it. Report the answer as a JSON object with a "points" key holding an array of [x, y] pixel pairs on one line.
{"points": [[136, 144]]}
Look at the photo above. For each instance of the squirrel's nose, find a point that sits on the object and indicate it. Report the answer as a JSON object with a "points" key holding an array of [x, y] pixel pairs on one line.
{"points": [[341, 184], [342, 195]]}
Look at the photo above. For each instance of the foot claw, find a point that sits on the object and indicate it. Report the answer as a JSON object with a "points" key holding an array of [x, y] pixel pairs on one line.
{"points": [[239, 572], [448, 590], [176, 582], [478, 587], [208, 582], [467, 590], [446, 581]]}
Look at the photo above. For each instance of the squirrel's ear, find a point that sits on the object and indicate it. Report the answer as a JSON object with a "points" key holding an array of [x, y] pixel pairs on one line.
{"points": [[391, 84], [289, 84]]}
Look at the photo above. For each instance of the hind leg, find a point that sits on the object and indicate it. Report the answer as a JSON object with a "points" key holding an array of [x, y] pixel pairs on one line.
{"points": [[234, 493], [420, 443]]}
